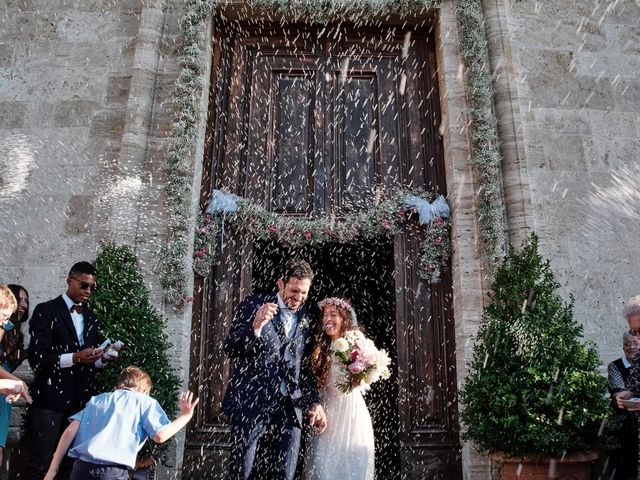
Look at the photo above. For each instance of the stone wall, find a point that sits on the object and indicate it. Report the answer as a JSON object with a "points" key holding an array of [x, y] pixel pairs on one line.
{"points": [[571, 70], [84, 112]]}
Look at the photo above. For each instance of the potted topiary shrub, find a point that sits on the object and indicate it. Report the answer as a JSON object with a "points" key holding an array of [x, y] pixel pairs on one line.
{"points": [[534, 397], [122, 304]]}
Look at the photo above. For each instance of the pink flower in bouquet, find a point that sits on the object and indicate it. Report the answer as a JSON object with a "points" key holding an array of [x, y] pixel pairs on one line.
{"points": [[357, 367], [355, 354], [209, 217], [438, 240], [367, 351], [360, 362], [199, 254], [205, 249], [307, 234], [272, 229], [401, 212], [438, 221], [386, 224], [204, 230]]}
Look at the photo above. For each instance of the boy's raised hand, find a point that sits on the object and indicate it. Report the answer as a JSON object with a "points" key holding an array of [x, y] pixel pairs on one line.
{"points": [[187, 403]]}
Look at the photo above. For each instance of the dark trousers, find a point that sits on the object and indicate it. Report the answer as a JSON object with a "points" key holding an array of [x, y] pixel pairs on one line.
{"points": [[46, 429], [94, 471], [266, 449], [624, 461]]}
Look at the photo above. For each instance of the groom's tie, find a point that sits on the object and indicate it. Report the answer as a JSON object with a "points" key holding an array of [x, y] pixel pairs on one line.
{"points": [[287, 318], [286, 330]]}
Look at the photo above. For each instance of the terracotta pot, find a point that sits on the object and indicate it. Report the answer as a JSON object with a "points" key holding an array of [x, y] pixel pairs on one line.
{"points": [[576, 466]]}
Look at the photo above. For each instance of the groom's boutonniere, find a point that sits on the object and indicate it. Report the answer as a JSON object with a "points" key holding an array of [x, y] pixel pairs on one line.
{"points": [[304, 323]]}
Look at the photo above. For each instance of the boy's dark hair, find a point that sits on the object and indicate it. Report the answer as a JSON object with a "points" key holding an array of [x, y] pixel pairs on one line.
{"points": [[82, 268], [297, 269], [135, 379]]}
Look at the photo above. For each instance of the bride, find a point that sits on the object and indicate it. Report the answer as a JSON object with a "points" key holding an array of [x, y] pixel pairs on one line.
{"points": [[345, 449]]}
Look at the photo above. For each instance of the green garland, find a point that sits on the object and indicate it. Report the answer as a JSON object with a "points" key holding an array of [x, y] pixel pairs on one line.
{"points": [[484, 133], [178, 164], [386, 219], [174, 275]]}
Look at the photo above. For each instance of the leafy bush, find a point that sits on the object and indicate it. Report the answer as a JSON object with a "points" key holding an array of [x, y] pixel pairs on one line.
{"points": [[122, 305], [533, 386]]}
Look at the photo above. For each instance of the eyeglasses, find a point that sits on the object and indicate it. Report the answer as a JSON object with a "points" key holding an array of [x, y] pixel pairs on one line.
{"points": [[85, 285]]}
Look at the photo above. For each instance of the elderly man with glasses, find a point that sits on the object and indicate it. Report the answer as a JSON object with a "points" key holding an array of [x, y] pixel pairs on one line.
{"points": [[64, 354]]}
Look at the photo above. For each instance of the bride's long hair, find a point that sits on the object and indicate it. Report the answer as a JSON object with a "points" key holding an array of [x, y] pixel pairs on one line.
{"points": [[321, 356]]}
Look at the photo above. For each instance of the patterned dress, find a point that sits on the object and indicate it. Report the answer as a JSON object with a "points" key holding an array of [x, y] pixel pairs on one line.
{"points": [[633, 384]]}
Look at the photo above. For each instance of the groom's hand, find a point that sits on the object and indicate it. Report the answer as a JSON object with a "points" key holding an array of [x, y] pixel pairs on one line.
{"points": [[317, 418], [264, 314]]}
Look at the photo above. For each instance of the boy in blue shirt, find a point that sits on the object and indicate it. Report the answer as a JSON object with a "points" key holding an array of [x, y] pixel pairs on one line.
{"points": [[113, 426]]}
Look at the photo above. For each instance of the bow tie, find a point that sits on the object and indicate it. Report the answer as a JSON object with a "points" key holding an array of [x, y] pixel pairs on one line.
{"points": [[78, 308]]}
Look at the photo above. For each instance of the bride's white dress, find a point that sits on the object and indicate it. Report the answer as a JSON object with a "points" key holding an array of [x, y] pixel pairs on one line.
{"points": [[345, 450]]}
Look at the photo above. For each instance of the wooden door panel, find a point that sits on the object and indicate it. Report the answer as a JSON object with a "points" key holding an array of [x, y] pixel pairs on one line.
{"points": [[365, 128], [422, 113], [293, 150], [356, 128], [280, 152], [312, 120], [231, 119]]}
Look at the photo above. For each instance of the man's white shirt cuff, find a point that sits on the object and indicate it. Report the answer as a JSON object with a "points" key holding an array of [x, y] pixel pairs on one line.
{"points": [[66, 360]]}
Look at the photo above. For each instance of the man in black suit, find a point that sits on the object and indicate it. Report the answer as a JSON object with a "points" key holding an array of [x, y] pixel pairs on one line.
{"points": [[272, 388], [64, 355]]}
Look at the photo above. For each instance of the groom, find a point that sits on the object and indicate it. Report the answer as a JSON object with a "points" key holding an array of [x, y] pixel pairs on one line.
{"points": [[272, 385]]}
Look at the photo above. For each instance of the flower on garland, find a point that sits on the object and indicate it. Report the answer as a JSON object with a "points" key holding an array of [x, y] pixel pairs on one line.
{"points": [[435, 250], [205, 243]]}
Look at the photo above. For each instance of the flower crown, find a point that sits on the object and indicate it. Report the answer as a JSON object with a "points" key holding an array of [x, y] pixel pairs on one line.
{"points": [[337, 302]]}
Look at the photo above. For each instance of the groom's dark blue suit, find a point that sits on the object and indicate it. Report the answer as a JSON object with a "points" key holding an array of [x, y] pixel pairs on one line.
{"points": [[270, 390]]}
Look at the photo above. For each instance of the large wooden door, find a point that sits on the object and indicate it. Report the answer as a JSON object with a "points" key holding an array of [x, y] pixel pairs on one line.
{"points": [[308, 120]]}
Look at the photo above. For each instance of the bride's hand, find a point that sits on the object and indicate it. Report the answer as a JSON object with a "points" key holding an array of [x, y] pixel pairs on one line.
{"points": [[317, 418]]}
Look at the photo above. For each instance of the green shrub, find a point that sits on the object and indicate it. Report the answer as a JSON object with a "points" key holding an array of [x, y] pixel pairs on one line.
{"points": [[122, 305], [533, 386]]}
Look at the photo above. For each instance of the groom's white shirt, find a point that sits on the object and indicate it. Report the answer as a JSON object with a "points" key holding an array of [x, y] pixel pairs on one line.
{"points": [[287, 317]]}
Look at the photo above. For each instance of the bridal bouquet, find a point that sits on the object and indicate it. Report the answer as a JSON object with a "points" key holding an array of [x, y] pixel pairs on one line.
{"points": [[359, 362]]}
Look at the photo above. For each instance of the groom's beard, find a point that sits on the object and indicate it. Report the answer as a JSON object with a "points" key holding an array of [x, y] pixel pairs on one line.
{"points": [[291, 309], [287, 303]]}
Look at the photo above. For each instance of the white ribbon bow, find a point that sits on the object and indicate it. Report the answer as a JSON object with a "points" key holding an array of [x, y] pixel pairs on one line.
{"points": [[428, 212], [222, 203]]}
